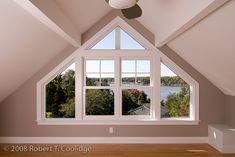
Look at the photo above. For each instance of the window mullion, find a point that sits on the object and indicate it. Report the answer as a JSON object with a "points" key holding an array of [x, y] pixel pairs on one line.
{"points": [[79, 87], [99, 72], [156, 79], [135, 72], [118, 100], [117, 38]]}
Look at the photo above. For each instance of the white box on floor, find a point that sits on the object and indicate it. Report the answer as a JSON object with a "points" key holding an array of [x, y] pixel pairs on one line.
{"points": [[222, 137]]}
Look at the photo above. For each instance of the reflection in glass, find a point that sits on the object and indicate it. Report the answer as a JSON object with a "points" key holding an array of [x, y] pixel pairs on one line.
{"points": [[136, 102], [99, 102]]}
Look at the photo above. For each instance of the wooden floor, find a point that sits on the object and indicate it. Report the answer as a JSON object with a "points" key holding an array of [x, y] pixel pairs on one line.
{"points": [[111, 150]]}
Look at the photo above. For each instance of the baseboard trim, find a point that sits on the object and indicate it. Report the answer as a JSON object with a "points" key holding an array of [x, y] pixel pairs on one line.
{"points": [[106, 140]]}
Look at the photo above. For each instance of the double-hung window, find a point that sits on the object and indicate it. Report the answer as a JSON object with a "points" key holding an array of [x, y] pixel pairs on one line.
{"points": [[99, 87], [136, 87]]}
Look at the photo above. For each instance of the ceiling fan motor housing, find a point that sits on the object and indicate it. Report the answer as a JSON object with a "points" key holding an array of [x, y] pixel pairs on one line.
{"points": [[122, 4]]}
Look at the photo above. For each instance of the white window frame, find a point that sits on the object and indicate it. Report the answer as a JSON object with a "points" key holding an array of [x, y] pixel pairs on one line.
{"points": [[194, 91], [99, 117], [150, 52], [139, 87]]}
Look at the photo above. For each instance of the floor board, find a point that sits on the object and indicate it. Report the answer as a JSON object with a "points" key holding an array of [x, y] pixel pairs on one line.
{"points": [[110, 150]]}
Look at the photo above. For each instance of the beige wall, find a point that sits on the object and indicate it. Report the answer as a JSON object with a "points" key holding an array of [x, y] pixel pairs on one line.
{"points": [[230, 111], [18, 111], [212, 100]]}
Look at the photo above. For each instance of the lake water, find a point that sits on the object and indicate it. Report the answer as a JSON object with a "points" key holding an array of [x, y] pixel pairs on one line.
{"points": [[166, 90]]}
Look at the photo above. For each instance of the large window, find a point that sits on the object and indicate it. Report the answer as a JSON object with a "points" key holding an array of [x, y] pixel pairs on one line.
{"points": [[117, 79]]}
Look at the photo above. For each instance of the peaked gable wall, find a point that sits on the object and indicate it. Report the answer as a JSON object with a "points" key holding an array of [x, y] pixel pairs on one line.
{"points": [[18, 112]]}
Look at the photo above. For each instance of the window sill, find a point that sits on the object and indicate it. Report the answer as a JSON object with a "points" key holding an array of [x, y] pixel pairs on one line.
{"points": [[117, 122]]}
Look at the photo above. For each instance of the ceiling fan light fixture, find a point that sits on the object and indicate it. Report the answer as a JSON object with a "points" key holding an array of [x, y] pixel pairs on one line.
{"points": [[122, 4]]}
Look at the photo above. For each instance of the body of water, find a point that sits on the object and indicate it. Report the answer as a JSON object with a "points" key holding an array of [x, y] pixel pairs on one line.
{"points": [[167, 90]]}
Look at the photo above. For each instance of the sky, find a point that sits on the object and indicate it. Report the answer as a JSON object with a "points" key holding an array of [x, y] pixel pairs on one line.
{"points": [[127, 42]]}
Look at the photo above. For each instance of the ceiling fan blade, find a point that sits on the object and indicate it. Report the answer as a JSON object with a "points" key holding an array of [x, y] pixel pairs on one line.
{"points": [[132, 12]]}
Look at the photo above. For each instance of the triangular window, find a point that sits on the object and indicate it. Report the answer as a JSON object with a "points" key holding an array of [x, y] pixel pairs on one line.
{"points": [[127, 42], [118, 39], [108, 42]]}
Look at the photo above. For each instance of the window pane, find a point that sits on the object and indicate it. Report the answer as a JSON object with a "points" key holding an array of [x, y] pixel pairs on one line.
{"points": [[128, 79], [107, 79], [143, 79], [92, 79], [60, 95], [107, 66], [143, 66], [136, 102], [165, 71], [127, 42], [175, 95], [128, 66], [108, 42], [99, 102], [92, 66]]}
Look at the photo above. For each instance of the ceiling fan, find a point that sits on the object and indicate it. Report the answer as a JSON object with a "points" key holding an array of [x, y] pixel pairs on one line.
{"points": [[130, 9]]}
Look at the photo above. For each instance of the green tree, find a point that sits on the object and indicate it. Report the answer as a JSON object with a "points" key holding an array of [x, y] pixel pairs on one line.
{"points": [[133, 98], [55, 96], [68, 109], [68, 84], [60, 96], [178, 103], [171, 81], [99, 102]]}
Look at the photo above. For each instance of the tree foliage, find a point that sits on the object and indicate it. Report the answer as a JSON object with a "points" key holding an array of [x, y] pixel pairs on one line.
{"points": [[60, 96], [99, 102], [171, 81], [133, 98], [178, 103]]}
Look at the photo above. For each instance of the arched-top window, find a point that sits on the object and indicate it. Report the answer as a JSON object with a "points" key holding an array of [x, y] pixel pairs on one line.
{"points": [[117, 77]]}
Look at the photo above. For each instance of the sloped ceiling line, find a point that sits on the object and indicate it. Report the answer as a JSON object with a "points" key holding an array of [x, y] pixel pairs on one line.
{"points": [[197, 18], [47, 12]]}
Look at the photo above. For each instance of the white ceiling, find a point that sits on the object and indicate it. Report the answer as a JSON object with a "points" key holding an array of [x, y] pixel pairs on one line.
{"points": [[84, 13], [163, 17], [210, 47], [26, 46]]}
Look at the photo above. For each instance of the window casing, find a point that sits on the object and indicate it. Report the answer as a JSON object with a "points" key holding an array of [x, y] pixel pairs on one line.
{"points": [[150, 55]]}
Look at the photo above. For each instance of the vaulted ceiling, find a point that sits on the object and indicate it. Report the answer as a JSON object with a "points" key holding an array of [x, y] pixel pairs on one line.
{"points": [[32, 32]]}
